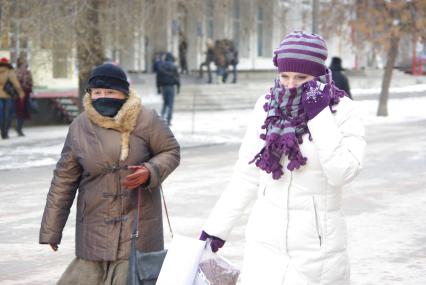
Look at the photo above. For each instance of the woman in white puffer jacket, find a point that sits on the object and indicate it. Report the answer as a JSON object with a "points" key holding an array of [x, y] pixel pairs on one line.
{"points": [[296, 233]]}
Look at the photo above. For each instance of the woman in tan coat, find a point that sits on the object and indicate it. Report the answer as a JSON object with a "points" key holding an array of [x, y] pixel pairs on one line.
{"points": [[7, 103], [115, 146]]}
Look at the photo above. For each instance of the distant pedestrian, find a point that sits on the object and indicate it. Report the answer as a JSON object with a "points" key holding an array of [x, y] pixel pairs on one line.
{"points": [[210, 57], [158, 59], [220, 60], [114, 149], [168, 83], [23, 108], [10, 92], [304, 142], [231, 59], [339, 77], [183, 50]]}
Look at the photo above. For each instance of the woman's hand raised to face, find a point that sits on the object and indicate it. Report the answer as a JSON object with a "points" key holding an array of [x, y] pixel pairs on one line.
{"points": [[138, 177], [315, 97]]}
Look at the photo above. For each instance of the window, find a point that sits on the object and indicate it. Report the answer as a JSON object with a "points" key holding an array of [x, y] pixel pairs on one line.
{"points": [[60, 63], [2, 33], [236, 23], [209, 19], [19, 45], [260, 27]]}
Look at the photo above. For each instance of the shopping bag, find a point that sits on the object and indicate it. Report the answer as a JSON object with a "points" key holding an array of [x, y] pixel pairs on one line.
{"points": [[181, 262], [33, 106], [215, 270]]}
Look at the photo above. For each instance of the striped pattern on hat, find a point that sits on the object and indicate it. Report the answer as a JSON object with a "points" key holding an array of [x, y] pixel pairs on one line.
{"points": [[303, 53]]}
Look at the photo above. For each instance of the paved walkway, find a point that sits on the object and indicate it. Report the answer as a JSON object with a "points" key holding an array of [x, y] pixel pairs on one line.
{"points": [[385, 209]]}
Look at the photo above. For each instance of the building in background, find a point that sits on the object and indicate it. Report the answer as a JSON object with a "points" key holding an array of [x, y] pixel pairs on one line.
{"points": [[256, 26]]}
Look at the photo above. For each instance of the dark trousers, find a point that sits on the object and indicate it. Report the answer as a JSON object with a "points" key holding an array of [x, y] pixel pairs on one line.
{"points": [[183, 65], [221, 74], [209, 71], [7, 111], [234, 74], [168, 93], [19, 125]]}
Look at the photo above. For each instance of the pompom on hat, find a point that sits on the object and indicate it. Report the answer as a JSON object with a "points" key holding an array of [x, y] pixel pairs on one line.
{"points": [[303, 53]]}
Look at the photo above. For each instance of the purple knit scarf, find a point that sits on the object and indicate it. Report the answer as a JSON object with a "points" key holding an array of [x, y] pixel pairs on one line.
{"points": [[285, 124]]}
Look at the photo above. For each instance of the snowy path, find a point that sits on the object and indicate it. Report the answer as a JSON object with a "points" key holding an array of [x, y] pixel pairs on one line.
{"points": [[42, 145], [385, 206]]}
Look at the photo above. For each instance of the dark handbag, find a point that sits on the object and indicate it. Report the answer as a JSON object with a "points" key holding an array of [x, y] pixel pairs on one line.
{"points": [[33, 106], [10, 89], [145, 267]]}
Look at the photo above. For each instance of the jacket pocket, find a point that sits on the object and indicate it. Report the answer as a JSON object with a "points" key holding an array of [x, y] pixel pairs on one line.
{"points": [[317, 221]]}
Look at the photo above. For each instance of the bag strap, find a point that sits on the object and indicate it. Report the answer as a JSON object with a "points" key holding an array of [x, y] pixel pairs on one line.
{"points": [[167, 212], [135, 228]]}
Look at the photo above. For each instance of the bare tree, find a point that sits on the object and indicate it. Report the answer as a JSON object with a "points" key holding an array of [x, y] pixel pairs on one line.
{"points": [[380, 23], [92, 28], [90, 49]]}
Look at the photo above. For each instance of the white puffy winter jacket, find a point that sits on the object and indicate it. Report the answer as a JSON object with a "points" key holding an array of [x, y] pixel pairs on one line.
{"points": [[296, 233]]}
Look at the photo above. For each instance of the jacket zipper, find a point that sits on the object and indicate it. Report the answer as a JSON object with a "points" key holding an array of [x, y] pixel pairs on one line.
{"points": [[316, 221]]}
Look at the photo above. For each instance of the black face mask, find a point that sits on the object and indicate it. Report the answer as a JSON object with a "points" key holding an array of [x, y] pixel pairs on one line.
{"points": [[108, 107]]}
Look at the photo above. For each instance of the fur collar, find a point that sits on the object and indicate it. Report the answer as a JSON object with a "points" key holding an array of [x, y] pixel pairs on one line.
{"points": [[124, 121]]}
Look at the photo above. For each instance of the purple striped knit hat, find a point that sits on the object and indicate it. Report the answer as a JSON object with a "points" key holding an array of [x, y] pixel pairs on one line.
{"points": [[301, 52]]}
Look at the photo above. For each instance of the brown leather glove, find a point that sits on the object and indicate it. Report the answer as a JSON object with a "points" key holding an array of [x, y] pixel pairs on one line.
{"points": [[138, 177], [54, 246]]}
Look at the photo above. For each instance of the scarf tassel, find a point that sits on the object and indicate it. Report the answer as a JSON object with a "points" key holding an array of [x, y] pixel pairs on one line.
{"points": [[268, 159]]}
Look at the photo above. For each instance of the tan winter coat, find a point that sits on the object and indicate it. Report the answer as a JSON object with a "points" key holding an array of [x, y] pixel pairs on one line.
{"points": [[94, 148], [9, 74]]}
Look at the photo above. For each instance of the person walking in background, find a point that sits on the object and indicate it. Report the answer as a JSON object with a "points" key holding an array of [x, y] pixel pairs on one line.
{"points": [[158, 59], [167, 79], [210, 57], [10, 92], [234, 62], [304, 142], [183, 50], [113, 150], [339, 77], [220, 60], [231, 54], [23, 107]]}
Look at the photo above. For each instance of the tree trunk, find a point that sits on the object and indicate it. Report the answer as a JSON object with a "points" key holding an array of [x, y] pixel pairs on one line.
{"points": [[90, 50], [387, 76]]}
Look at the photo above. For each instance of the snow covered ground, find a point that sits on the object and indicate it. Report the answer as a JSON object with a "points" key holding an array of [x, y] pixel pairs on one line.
{"points": [[393, 90], [384, 207], [42, 145]]}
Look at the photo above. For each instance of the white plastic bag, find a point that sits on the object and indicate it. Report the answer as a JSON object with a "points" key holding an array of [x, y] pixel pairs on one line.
{"points": [[181, 262], [215, 270]]}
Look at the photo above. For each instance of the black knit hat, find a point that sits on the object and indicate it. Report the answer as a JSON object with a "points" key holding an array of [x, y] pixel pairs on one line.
{"points": [[336, 64], [109, 76]]}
